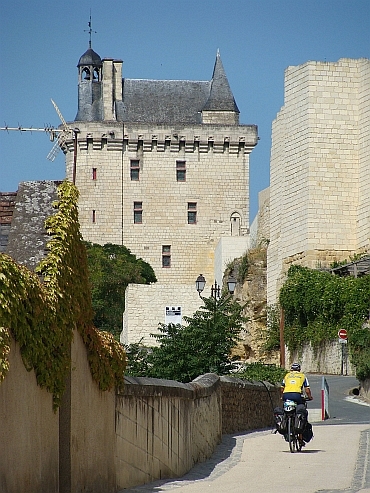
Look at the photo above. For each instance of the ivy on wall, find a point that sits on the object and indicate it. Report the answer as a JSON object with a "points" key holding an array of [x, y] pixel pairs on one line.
{"points": [[317, 304], [42, 314]]}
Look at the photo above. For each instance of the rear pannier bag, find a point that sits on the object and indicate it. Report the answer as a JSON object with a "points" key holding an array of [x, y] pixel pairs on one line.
{"points": [[300, 418], [307, 434], [279, 419]]}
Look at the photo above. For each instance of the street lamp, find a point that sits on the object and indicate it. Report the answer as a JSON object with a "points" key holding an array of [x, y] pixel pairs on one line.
{"points": [[215, 289]]}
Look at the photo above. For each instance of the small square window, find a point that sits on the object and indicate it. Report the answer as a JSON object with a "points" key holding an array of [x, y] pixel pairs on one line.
{"points": [[180, 170], [138, 212], [166, 256], [192, 212], [134, 169]]}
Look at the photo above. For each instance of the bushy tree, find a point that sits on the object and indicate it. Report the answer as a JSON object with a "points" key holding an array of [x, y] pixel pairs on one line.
{"points": [[111, 269], [202, 346]]}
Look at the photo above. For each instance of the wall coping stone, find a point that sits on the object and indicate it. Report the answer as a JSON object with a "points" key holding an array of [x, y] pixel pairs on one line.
{"points": [[202, 386]]}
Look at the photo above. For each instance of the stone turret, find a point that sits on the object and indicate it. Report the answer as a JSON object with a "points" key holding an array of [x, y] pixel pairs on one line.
{"points": [[90, 106], [220, 106]]}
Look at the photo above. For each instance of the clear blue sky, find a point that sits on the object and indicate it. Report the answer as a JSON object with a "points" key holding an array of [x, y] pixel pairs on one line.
{"points": [[41, 42]]}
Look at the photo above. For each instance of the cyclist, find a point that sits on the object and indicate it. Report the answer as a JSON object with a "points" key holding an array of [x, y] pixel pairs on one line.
{"points": [[293, 385]]}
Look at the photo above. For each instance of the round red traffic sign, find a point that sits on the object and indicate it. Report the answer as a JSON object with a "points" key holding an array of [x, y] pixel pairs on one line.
{"points": [[342, 334]]}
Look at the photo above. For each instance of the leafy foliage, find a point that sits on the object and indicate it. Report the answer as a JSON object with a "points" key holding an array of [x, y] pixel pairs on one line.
{"points": [[137, 359], [318, 304], [41, 316], [202, 346], [260, 372], [272, 341], [111, 269]]}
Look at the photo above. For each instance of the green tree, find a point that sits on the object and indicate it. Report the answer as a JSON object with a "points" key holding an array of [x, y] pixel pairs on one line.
{"points": [[111, 269], [202, 346]]}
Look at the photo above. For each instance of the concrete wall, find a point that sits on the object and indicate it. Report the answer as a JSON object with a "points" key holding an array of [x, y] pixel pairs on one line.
{"points": [[29, 432], [87, 439], [102, 441], [165, 427]]}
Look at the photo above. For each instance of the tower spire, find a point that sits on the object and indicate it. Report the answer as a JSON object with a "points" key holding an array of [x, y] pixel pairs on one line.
{"points": [[90, 31]]}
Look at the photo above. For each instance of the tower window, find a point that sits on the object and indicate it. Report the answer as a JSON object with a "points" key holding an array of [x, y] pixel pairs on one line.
{"points": [[138, 212], [94, 173], [134, 169], [94, 216], [181, 170], [192, 212], [166, 255]]}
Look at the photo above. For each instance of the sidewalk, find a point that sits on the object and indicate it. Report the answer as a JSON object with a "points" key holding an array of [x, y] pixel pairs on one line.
{"points": [[337, 460]]}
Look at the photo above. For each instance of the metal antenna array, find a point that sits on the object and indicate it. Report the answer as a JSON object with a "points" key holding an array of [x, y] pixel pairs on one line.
{"points": [[56, 134], [64, 134]]}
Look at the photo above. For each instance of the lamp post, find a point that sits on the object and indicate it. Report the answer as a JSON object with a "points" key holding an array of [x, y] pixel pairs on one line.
{"points": [[216, 288]]}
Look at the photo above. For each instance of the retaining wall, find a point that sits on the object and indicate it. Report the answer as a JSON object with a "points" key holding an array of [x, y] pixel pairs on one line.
{"points": [[102, 442]]}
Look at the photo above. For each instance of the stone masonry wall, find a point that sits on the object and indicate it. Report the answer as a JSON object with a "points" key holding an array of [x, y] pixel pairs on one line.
{"points": [[320, 166], [332, 358], [163, 427], [217, 181], [104, 441], [7, 205], [145, 308], [247, 405]]}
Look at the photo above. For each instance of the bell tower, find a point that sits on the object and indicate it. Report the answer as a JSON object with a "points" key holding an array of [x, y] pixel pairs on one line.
{"points": [[90, 71]]}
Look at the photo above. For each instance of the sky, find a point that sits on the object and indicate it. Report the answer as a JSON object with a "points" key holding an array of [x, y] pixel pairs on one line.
{"points": [[42, 41]]}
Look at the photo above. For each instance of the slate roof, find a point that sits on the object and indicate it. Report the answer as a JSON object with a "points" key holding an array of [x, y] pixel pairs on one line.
{"points": [[175, 101], [27, 237], [162, 101], [221, 98], [90, 57]]}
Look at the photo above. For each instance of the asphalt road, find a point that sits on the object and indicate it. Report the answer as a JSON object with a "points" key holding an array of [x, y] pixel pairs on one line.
{"points": [[344, 407]]}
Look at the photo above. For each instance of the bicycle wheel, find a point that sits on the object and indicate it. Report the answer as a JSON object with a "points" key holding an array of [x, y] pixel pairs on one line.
{"points": [[291, 435]]}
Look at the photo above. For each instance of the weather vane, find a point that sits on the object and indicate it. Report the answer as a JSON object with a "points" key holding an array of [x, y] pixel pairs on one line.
{"points": [[90, 31]]}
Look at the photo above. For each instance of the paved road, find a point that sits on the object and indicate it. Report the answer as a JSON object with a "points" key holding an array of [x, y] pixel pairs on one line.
{"points": [[337, 460]]}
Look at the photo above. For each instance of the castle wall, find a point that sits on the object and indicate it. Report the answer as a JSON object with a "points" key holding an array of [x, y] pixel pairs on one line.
{"points": [[217, 181], [145, 308], [319, 168]]}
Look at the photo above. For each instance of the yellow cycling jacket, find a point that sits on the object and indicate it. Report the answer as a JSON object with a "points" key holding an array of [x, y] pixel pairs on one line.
{"points": [[294, 381]]}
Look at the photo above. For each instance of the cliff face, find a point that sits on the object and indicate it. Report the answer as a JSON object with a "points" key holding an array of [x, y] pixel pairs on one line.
{"points": [[251, 272]]}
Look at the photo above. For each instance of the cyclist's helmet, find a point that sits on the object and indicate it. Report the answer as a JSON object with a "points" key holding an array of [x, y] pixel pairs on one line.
{"points": [[295, 367]]}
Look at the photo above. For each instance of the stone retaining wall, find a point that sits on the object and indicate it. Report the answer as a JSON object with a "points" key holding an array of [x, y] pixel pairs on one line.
{"points": [[103, 442]]}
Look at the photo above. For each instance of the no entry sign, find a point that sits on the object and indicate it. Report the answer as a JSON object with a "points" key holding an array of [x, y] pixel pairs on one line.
{"points": [[342, 334]]}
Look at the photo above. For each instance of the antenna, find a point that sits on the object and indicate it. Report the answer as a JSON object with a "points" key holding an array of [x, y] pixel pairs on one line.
{"points": [[63, 135], [90, 31]]}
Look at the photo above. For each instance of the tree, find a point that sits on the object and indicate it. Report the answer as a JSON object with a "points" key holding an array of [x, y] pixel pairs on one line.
{"points": [[202, 346], [111, 269]]}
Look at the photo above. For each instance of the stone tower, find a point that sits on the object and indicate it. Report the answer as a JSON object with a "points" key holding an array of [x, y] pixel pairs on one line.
{"points": [[162, 167], [320, 168]]}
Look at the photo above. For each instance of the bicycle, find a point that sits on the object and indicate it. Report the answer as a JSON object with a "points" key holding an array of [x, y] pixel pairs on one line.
{"points": [[295, 439]]}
